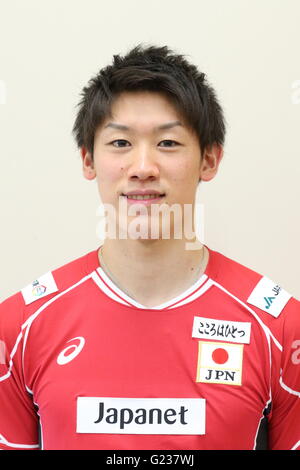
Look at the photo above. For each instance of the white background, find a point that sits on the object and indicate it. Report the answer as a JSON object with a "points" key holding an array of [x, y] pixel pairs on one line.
{"points": [[49, 50]]}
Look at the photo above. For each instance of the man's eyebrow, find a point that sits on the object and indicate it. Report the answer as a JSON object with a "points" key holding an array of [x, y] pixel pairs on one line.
{"points": [[121, 127]]}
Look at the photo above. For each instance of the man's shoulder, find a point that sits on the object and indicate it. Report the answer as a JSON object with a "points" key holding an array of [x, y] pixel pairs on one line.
{"points": [[48, 285], [258, 291], [232, 275]]}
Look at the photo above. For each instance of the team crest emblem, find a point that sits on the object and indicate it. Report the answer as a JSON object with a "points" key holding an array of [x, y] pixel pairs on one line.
{"points": [[38, 289], [41, 287]]}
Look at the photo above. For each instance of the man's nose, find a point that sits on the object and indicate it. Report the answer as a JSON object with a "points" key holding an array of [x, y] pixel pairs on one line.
{"points": [[143, 163]]}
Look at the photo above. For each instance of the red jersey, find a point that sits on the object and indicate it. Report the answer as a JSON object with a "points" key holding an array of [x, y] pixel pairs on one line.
{"points": [[84, 366]]}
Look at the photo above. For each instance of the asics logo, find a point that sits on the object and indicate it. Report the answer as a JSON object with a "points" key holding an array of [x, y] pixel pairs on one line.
{"points": [[66, 356]]}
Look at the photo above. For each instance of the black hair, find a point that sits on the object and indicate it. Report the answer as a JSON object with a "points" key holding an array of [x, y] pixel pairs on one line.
{"points": [[158, 69]]}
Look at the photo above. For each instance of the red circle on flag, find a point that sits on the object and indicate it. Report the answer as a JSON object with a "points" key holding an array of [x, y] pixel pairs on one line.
{"points": [[220, 356]]}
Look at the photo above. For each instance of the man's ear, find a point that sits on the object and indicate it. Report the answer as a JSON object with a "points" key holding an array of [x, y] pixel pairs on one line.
{"points": [[211, 160], [88, 169]]}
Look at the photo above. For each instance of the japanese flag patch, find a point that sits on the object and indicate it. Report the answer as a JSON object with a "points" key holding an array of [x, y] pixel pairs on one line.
{"points": [[39, 288], [220, 363], [269, 297]]}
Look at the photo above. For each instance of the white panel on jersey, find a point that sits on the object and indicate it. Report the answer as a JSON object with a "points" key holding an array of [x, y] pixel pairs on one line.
{"points": [[269, 297], [39, 288], [232, 331], [141, 415]]}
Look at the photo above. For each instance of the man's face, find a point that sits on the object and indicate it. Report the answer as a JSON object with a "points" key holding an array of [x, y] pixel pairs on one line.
{"points": [[145, 147]]}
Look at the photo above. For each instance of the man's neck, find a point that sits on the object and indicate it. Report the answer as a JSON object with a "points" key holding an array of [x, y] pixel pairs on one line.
{"points": [[153, 271]]}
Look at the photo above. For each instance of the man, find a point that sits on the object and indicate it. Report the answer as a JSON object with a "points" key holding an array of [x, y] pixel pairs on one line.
{"points": [[152, 341]]}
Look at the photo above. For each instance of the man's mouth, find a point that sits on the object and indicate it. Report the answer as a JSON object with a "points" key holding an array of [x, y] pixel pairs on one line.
{"points": [[143, 197]]}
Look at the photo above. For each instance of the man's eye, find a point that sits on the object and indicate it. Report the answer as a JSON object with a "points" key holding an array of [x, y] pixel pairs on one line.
{"points": [[119, 143], [124, 143], [169, 143]]}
